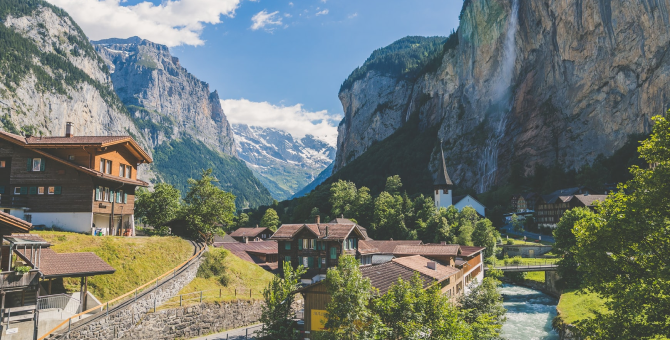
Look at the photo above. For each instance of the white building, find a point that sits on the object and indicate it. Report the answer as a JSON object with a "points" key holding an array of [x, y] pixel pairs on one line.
{"points": [[444, 198]]}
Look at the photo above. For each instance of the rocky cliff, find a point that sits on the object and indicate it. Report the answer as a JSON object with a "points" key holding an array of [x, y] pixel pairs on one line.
{"points": [[520, 82], [285, 164], [164, 99]]}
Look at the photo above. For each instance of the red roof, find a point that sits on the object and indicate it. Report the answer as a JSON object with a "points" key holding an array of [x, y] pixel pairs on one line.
{"points": [[420, 264], [246, 251], [248, 232], [15, 222], [470, 250], [383, 276], [332, 231], [385, 247], [428, 250]]}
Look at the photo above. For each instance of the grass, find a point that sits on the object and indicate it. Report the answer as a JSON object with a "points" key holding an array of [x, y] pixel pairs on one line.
{"points": [[522, 242], [244, 278], [578, 305], [535, 276], [137, 260]]}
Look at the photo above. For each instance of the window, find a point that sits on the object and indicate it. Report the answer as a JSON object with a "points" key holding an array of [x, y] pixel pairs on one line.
{"points": [[263, 235], [122, 170], [98, 193], [287, 245], [36, 164], [129, 171], [28, 218], [102, 165], [106, 195], [333, 253], [299, 244], [105, 166], [17, 191], [318, 262], [70, 157], [7, 211], [323, 261], [40, 190], [3, 164], [119, 196], [310, 262], [287, 258], [308, 244], [108, 168]]}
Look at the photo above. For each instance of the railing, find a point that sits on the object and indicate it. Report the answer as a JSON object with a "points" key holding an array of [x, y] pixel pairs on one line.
{"points": [[536, 265], [229, 293], [64, 302], [123, 298], [9, 280]]}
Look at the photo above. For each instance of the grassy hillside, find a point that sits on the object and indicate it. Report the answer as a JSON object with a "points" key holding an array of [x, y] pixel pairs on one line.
{"points": [[242, 276], [137, 260], [178, 160], [578, 305]]}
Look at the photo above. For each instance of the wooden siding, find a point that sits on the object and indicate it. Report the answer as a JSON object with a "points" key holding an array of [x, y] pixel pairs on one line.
{"points": [[83, 157], [76, 187], [102, 207], [315, 297], [118, 154]]}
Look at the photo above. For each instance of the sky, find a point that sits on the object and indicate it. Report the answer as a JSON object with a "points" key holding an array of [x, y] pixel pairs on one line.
{"points": [[274, 63]]}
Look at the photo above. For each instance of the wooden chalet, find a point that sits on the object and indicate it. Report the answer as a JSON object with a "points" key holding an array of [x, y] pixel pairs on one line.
{"points": [[550, 208], [317, 246], [76, 183], [251, 234]]}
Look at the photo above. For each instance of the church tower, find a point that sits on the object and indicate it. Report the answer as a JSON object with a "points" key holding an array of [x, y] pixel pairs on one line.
{"points": [[443, 185]]}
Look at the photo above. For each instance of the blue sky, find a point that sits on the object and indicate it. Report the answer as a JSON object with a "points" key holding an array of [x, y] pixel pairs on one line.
{"points": [[292, 57]]}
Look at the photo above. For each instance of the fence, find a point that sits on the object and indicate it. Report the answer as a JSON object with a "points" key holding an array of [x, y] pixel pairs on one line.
{"points": [[127, 297], [507, 264], [237, 334], [223, 294], [64, 302]]}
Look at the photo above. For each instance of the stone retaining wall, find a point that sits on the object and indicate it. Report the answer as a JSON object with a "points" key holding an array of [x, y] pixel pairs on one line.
{"points": [[193, 321]]}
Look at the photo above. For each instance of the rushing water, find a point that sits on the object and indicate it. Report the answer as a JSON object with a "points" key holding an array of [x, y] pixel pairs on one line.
{"points": [[529, 314]]}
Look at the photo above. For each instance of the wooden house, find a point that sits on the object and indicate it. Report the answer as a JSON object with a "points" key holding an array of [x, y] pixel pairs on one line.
{"points": [[317, 246], [251, 234], [550, 208], [75, 183]]}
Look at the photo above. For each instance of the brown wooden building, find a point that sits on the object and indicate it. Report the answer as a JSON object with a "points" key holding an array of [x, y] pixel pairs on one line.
{"points": [[550, 208], [251, 234], [317, 246], [76, 183]]}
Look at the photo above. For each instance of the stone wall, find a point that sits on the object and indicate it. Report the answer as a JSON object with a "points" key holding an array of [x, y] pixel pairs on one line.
{"points": [[193, 321], [524, 250], [126, 316]]}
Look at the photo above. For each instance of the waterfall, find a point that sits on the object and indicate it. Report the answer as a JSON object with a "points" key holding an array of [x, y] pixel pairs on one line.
{"points": [[488, 163]]}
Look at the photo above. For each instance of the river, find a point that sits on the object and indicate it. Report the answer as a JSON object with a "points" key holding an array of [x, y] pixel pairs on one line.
{"points": [[529, 314]]}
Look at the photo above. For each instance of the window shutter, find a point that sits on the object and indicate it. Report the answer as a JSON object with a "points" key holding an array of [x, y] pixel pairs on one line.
{"points": [[333, 253], [43, 164], [30, 164], [33, 190], [310, 262], [318, 259], [300, 260], [57, 190], [24, 190], [299, 244], [2, 189], [97, 193], [125, 197]]}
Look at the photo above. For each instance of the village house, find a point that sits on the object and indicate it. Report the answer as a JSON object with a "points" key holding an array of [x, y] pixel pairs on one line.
{"points": [[82, 184], [550, 208], [317, 246], [264, 254], [523, 203], [251, 234], [443, 195]]}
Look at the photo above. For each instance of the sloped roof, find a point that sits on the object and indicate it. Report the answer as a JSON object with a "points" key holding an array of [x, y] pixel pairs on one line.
{"points": [[21, 141], [589, 200], [563, 194], [14, 223], [248, 232], [385, 247], [443, 179], [470, 250], [100, 141], [382, 276], [420, 264], [329, 231], [248, 251], [428, 250]]}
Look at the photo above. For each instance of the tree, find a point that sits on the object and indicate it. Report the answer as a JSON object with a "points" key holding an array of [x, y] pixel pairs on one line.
{"points": [[270, 220], [465, 235], [207, 206], [279, 295], [241, 221], [623, 249], [517, 224], [159, 207], [565, 246], [485, 235], [363, 207], [484, 299], [348, 313], [342, 197], [393, 185], [389, 221]]}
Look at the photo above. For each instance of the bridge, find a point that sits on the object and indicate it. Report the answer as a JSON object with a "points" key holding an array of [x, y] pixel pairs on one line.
{"points": [[539, 266]]}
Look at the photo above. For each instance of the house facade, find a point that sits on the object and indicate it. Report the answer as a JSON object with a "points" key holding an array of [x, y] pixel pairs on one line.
{"points": [[443, 194], [550, 208], [317, 246], [76, 183], [522, 203], [251, 234]]}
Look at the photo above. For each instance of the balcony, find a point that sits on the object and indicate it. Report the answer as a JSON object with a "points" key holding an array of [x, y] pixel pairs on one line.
{"points": [[14, 281]]}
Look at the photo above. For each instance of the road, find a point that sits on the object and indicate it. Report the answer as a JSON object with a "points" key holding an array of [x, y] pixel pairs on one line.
{"points": [[509, 229], [233, 334]]}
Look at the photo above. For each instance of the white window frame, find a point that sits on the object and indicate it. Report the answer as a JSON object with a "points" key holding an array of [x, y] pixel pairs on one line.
{"points": [[99, 193], [108, 167], [122, 170], [40, 190], [305, 261], [106, 195], [129, 171], [37, 164], [17, 190], [102, 165], [51, 190]]}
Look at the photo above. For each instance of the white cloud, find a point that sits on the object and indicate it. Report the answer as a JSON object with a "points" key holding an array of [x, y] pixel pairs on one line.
{"points": [[324, 12], [263, 19], [353, 15], [290, 4], [173, 22], [292, 119]]}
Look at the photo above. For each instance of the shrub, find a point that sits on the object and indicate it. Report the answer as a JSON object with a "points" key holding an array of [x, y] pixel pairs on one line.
{"points": [[214, 266]]}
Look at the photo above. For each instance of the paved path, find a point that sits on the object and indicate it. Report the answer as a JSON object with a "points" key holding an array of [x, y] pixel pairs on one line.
{"points": [[233, 334]]}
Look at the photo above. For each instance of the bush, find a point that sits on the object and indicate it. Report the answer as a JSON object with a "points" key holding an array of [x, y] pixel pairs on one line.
{"points": [[515, 277], [510, 242], [214, 266]]}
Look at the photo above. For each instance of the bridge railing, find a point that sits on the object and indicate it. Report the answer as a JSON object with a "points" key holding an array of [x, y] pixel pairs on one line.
{"points": [[546, 263]]}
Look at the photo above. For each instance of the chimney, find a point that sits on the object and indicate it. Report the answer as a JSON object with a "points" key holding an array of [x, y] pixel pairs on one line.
{"points": [[68, 129], [326, 230], [318, 219], [256, 225], [432, 265], [246, 239]]}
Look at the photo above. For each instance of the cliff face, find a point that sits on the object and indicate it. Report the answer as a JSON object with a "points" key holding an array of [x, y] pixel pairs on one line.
{"points": [[530, 82], [164, 99]]}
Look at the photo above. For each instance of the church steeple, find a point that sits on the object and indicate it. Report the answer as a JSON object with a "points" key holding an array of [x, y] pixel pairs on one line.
{"points": [[443, 181], [443, 184]]}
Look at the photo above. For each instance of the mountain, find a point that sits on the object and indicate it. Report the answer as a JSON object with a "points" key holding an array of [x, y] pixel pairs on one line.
{"points": [[52, 74], [520, 84], [283, 163], [322, 177]]}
